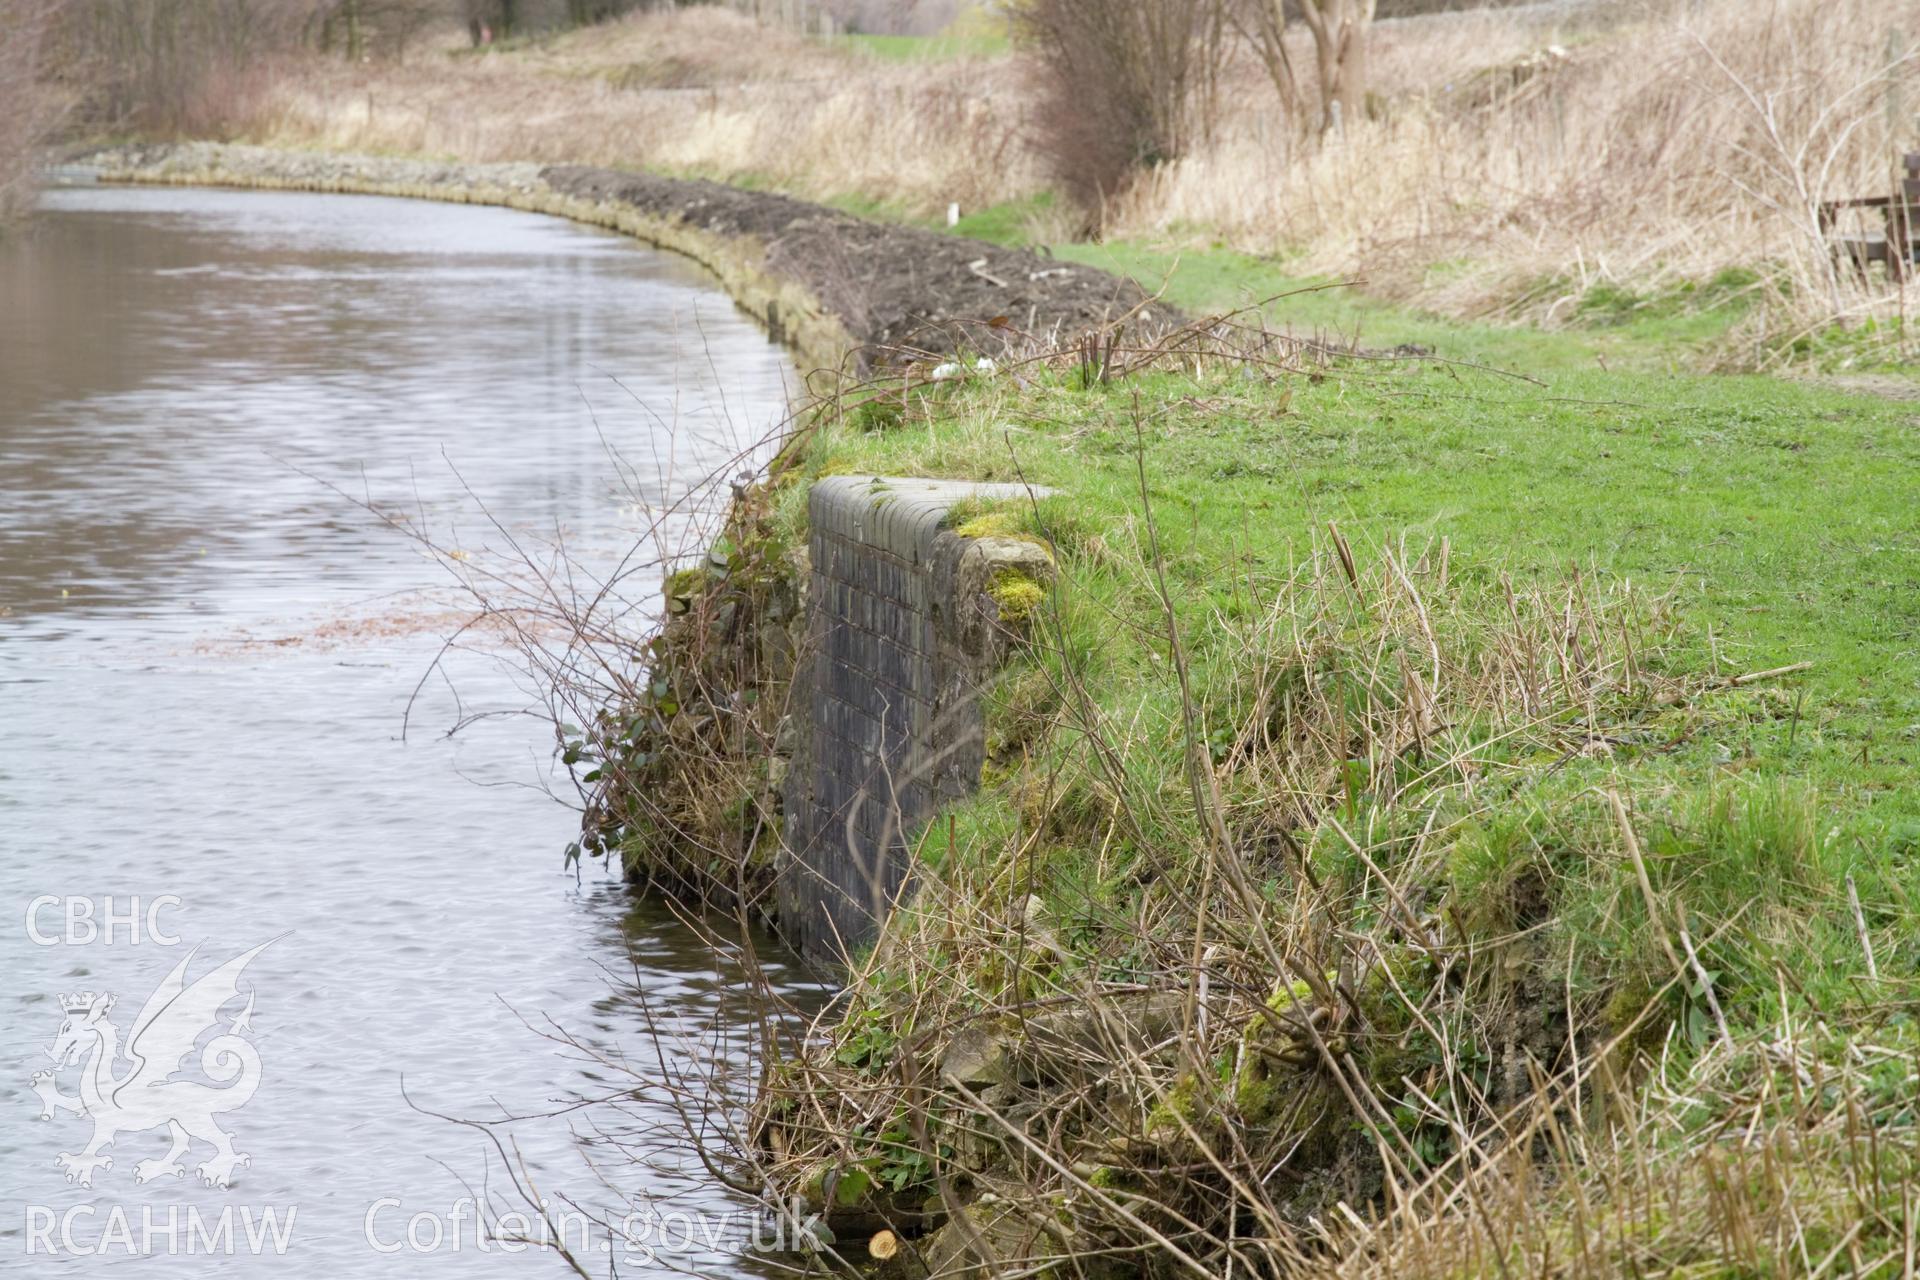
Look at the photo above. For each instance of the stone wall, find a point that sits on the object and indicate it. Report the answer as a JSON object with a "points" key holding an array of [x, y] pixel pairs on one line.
{"points": [[904, 627]]}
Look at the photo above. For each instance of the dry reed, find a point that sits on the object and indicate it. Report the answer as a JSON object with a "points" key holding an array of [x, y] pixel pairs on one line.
{"points": [[1512, 162]]}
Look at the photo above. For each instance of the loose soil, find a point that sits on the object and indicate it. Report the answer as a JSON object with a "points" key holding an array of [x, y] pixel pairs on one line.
{"points": [[891, 286]]}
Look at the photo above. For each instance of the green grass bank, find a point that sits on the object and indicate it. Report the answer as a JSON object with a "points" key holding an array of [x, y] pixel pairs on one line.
{"points": [[1454, 811]]}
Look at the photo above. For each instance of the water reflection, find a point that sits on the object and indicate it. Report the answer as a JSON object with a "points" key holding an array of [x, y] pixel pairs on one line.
{"points": [[207, 644]]}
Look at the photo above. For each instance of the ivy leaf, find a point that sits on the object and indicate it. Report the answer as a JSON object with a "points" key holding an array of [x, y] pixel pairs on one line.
{"points": [[853, 1184]]}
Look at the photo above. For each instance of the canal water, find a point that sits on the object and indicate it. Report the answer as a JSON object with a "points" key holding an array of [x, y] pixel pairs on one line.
{"points": [[222, 415]]}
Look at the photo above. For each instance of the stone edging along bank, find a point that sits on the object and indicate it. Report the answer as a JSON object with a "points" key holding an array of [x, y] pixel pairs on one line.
{"points": [[824, 282]]}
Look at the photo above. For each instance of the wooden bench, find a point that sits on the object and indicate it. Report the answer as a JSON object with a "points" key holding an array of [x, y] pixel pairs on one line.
{"points": [[1898, 244]]}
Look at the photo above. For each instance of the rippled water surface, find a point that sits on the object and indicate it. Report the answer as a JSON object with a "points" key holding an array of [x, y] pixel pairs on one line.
{"points": [[207, 646]]}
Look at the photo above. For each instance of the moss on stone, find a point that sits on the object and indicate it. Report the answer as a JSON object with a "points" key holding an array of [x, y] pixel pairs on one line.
{"points": [[993, 524], [1174, 1114], [1254, 1093], [1017, 595], [685, 583]]}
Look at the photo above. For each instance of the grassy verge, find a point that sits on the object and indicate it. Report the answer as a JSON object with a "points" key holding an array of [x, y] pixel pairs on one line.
{"points": [[1780, 515], [1424, 831], [1687, 325]]}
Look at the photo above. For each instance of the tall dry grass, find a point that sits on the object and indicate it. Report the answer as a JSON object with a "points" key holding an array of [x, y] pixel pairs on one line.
{"points": [[1792, 1154], [698, 91], [1511, 162], [1512, 166]]}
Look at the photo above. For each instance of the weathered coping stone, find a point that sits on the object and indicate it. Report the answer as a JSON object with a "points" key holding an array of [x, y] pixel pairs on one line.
{"points": [[904, 628]]}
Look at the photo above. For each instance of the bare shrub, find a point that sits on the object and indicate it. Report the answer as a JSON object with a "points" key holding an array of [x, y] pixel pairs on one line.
{"points": [[28, 105], [206, 68], [359, 29], [487, 20], [177, 66], [1120, 87]]}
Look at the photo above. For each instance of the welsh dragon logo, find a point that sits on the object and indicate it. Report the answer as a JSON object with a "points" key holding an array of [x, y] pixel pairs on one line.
{"points": [[145, 1093]]}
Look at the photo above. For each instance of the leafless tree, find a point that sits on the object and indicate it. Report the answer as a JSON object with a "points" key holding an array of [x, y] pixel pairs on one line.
{"points": [[167, 65], [362, 29], [1339, 29], [28, 105]]}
